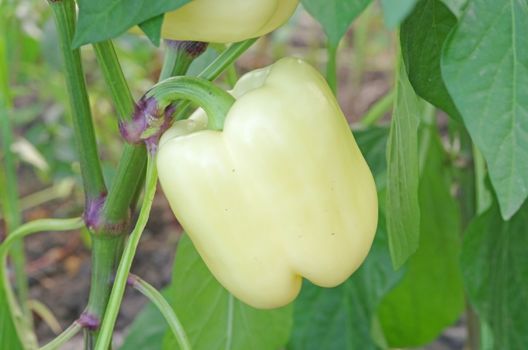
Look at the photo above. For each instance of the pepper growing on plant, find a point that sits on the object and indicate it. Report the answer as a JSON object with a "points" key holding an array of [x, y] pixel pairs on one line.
{"points": [[282, 193], [226, 20]]}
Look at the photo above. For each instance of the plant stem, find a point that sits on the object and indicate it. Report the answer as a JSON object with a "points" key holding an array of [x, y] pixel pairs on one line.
{"points": [[108, 239], [59, 341], [116, 296], [213, 71], [9, 188], [164, 307], [131, 166], [378, 110], [331, 65], [360, 46], [45, 314], [94, 187], [115, 79], [179, 55], [129, 177], [107, 250]]}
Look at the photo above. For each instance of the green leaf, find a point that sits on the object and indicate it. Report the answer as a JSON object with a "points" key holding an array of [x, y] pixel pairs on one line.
{"points": [[395, 11], [485, 68], [152, 29], [373, 143], [213, 318], [456, 6], [147, 331], [403, 212], [495, 268], [100, 20], [8, 335], [335, 16], [430, 296], [341, 318], [422, 36]]}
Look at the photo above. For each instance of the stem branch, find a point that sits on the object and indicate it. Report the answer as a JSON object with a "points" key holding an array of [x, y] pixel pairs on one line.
{"points": [[164, 307], [94, 187], [69, 333]]}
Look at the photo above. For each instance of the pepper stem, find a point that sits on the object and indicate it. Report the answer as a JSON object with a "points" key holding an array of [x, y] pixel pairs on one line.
{"points": [[215, 101]]}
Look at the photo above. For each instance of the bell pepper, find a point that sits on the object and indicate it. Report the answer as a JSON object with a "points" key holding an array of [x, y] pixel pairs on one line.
{"points": [[225, 21], [282, 192]]}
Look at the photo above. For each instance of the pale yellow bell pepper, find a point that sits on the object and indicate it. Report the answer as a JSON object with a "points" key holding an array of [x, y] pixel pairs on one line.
{"points": [[225, 21], [283, 192]]}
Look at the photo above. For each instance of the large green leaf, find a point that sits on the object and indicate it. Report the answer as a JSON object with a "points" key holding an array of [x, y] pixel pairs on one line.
{"points": [[213, 318], [422, 35], [485, 68], [403, 212], [495, 267], [341, 318], [395, 11], [100, 20], [335, 16], [430, 296]]}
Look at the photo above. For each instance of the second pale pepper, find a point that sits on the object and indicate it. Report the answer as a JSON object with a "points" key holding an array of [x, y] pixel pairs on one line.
{"points": [[226, 21]]}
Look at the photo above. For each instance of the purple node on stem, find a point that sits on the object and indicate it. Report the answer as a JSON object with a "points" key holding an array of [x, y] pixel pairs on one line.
{"points": [[92, 212], [146, 109], [89, 321], [131, 280]]}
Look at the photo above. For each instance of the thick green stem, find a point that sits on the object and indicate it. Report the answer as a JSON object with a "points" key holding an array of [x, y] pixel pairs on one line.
{"points": [[107, 251], [129, 175], [164, 307], [9, 186], [115, 79], [331, 66], [116, 296], [93, 182]]}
